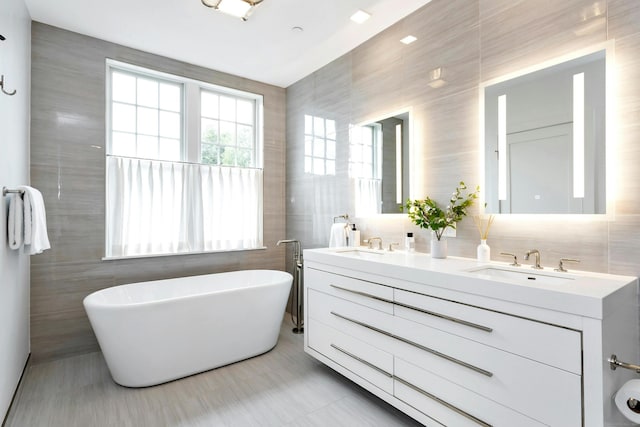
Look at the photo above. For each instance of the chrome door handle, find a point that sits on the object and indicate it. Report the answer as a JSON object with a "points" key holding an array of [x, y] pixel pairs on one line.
{"points": [[364, 294], [444, 316], [420, 346], [361, 360], [443, 402]]}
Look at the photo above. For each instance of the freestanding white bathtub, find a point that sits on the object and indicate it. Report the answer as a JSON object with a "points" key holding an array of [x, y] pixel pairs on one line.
{"points": [[154, 332]]}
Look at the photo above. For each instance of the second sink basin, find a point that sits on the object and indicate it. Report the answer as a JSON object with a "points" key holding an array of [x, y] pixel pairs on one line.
{"points": [[526, 275]]}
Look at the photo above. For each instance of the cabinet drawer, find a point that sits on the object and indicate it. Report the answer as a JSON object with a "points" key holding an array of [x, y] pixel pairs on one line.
{"points": [[364, 360], [451, 404], [352, 319], [362, 292], [562, 349], [539, 391]]}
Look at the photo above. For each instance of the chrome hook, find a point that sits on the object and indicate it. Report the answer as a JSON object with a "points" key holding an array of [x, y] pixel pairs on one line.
{"points": [[2, 87]]}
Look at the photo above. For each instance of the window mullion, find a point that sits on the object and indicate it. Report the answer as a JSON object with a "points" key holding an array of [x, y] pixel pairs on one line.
{"points": [[192, 131]]}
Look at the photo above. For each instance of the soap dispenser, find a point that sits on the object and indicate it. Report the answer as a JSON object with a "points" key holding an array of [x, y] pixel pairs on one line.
{"points": [[354, 236], [410, 243]]}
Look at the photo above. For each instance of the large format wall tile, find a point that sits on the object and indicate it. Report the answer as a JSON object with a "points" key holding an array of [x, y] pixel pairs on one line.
{"points": [[531, 32], [68, 165], [450, 44], [627, 104], [474, 41], [624, 18]]}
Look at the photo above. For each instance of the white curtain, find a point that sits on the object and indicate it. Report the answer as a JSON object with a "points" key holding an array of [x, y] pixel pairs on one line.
{"points": [[158, 207], [368, 196]]}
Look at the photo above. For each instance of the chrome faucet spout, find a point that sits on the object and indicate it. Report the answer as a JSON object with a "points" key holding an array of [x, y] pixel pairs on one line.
{"points": [[297, 252], [378, 239], [535, 252]]}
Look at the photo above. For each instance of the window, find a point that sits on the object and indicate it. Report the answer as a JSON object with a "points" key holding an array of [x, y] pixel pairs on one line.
{"points": [[365, 168], [146, 116], [319, 145], [364, 151], [228, 130], [183, 165]]}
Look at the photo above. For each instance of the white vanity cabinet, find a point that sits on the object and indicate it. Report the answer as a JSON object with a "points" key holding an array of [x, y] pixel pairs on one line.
{"points": [[450, 349]]}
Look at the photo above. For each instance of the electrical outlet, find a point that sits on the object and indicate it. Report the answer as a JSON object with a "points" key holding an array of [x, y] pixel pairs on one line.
{"points": [[449, 232]]}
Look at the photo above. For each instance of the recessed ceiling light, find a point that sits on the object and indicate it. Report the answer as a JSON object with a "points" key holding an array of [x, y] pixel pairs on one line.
{"points": [[408, 39], [360, 16]]}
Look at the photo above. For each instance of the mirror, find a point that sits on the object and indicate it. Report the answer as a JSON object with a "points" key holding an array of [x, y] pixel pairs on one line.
{"points": [[379, 164], [544, 139]]}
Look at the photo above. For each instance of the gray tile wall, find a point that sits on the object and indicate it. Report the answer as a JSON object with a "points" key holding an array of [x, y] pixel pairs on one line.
{"points": [[67, 165], [473, 41]]}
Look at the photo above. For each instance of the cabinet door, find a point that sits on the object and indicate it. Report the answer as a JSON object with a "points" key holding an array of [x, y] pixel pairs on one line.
{"points": [[352, 319], [539, 391], [364, 360], [361, 292], [451, 404], [552, 345]]}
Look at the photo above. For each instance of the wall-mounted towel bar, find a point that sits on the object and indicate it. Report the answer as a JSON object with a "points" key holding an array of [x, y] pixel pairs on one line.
{"points": [[345, 217], [6, 191], [615, 363]]}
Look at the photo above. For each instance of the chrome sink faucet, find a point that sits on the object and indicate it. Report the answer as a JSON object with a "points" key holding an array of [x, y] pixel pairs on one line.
{"points": [[379, 239], [535, 252]]}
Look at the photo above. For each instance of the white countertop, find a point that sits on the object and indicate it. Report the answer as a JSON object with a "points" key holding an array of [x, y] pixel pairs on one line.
{"points": [[582, 293]]}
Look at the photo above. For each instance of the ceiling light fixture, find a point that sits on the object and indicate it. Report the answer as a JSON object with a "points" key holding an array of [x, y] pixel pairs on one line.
{"points": [[409, 39], [238, 8], [360, 16]]}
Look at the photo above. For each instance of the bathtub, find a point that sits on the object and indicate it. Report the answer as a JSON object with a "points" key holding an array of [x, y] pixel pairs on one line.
{"points": [[154, 332]]}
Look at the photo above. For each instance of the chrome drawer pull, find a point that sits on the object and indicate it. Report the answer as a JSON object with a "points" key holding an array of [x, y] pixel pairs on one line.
{"points": [[361, 360], [364, 294], [444, 316], [420, 346], [444, 403]]}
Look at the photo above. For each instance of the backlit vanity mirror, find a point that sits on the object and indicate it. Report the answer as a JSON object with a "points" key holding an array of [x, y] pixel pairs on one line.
{"points": [[544, 139], [379, 163]]}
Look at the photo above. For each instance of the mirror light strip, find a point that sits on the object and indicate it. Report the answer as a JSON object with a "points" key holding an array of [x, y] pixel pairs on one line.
{"points": [[399, 164], [502, 147], [578, 135]]}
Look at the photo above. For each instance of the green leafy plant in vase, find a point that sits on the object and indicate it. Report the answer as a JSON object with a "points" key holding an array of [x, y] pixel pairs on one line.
{"points": [[425, 213]]}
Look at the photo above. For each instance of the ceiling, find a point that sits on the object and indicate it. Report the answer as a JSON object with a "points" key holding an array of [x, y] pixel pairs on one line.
{"points": [[264, 48]]}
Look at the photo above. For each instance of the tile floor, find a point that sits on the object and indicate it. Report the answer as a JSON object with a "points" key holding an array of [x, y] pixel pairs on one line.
{"points": [[284, 387]]}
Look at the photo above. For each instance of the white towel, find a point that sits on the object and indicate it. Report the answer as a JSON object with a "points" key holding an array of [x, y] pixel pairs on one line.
{"points": [[338, 235], [35, 221], [15, 221]]}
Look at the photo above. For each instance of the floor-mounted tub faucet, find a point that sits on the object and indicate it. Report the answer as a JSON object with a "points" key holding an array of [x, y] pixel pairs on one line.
{"points": [[296, 297]]}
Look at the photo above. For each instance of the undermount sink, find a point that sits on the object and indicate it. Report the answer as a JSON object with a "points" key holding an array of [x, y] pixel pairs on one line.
{"points": [[526, 275], [360, 252]]}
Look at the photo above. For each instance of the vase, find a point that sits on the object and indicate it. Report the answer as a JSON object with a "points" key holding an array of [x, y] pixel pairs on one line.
{"points": [[483, 251], [438, 248]]}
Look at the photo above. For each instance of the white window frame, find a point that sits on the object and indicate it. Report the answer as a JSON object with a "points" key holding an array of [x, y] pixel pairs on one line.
{"points": [[375, 166], [191, 131], [190, 126], [324, 158]]}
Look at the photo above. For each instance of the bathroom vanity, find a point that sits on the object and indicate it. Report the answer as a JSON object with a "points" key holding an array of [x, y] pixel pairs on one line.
{"points": [[456, 343]]}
